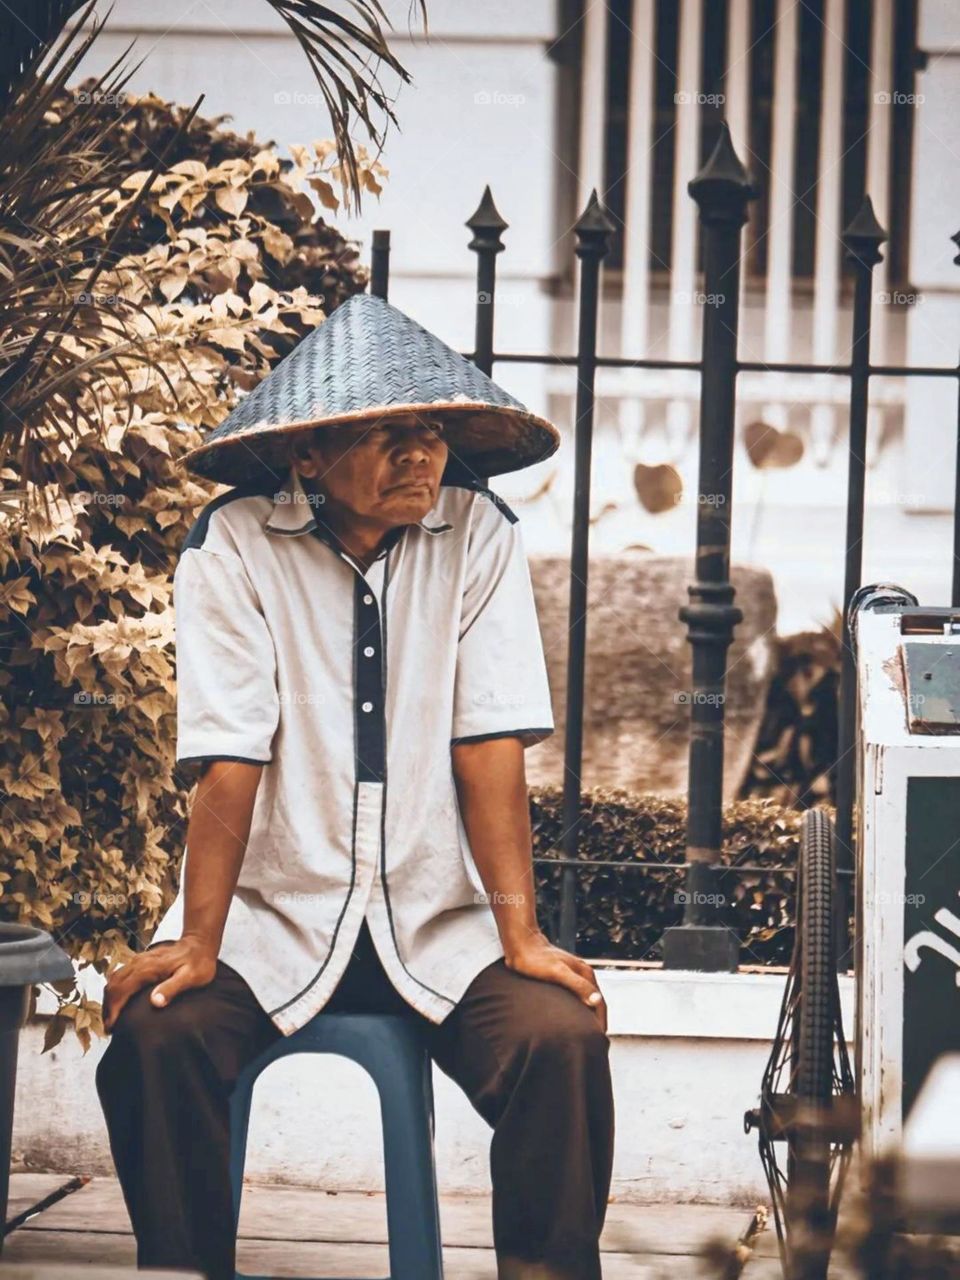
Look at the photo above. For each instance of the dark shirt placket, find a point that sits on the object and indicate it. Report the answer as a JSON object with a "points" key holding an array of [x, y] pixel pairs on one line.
{"points": [[368, 691], [368, 694]]}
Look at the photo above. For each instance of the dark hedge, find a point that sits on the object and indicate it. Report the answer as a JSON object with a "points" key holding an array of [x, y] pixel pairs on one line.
{"points": [[622, 911]]}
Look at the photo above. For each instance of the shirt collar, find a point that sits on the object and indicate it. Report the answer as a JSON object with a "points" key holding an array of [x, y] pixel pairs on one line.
{"points": [[295, 511]]}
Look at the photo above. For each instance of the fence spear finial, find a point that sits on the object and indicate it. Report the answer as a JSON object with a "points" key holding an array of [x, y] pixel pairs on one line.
{"points": [[594, 227], [863, 236], [486, 223], [723, 186]]}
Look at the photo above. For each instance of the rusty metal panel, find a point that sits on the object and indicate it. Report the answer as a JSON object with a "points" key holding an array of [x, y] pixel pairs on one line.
{"points": [[932, 672]]}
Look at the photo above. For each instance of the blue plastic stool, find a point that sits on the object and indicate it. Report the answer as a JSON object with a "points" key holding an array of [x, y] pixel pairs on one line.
{"points": [[393, 1053]]}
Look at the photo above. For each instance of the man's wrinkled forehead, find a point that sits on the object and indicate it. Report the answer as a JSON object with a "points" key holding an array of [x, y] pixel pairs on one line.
{"points": [[396, 424]]}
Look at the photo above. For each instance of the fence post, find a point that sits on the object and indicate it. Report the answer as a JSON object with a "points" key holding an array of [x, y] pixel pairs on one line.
{"points": [[380, 264], [862, 240], [593, 230], [487, 226], [722, 191]]}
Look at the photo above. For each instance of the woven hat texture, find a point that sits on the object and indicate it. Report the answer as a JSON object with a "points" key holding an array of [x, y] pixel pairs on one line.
{"points": [[366, 362]]}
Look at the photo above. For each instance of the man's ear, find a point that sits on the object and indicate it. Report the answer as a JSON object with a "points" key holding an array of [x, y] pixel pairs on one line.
{"points": [[299, 453]]}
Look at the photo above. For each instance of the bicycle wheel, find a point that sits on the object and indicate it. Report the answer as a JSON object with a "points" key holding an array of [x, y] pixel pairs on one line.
{"points": [[807, 1094], [809, 1206]]}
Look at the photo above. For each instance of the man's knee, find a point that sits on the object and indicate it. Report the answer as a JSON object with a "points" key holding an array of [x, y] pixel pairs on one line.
{"points": [[560, 1030], [150, 1032]]}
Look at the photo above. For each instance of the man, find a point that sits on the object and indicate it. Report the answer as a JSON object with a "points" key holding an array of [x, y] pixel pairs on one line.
{"points": [[359, 672]]}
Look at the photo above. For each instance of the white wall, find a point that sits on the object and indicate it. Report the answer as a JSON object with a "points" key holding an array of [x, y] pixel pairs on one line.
{"points": [[688, 1053]]}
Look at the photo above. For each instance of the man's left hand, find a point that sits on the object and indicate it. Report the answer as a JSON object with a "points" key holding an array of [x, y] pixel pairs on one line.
{"points": [[537, 957]]}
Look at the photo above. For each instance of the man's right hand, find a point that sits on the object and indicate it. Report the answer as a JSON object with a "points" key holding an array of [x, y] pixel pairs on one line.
{"points": [[172, 966], [220, 818]]}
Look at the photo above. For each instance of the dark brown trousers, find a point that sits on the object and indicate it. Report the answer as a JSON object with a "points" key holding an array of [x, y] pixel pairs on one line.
{"points": [[529, 1055]]}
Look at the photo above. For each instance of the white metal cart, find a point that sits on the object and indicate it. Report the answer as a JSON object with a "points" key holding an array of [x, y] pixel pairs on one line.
{"points": [[814, 1102]]}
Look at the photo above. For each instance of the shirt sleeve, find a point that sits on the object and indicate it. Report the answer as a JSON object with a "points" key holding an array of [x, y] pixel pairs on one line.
{"points": [[501, 683], [228, 707]]}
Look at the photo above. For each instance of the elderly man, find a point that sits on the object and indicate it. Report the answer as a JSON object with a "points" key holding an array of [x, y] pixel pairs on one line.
{"points": [[359, 671]]}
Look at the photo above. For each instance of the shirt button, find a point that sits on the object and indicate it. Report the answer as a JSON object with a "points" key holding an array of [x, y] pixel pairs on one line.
{"points": [[368, 706], [369, 651], [368, 599]]}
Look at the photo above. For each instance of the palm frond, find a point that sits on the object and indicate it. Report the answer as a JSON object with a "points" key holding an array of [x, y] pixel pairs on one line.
{"points": [[58, 173], [345, 46], [30, 28], [340, 50]]}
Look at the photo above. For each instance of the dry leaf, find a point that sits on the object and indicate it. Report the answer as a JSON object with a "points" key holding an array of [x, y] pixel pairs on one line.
{"points": [[768, 447], [232, 200], [326, 193], [659, 488]]}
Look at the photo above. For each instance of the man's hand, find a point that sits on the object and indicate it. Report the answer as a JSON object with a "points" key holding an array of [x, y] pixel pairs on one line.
{"points": [[216, 839], [492, 793], [537, 957], [173, 966]]}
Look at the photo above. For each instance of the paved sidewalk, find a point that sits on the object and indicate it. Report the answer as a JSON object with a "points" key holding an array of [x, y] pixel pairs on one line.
{"points": [[288, 1232]]}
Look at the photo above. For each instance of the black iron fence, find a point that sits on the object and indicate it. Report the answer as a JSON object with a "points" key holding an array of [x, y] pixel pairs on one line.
{"points": [[722, 191]]}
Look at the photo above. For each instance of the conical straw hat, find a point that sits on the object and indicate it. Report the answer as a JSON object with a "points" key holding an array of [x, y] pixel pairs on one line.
{"points": [[368, 362]]}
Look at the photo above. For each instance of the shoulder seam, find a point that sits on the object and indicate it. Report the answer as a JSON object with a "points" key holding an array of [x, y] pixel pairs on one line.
{"points": [[230, 557], [498, 502], [197, 533]]}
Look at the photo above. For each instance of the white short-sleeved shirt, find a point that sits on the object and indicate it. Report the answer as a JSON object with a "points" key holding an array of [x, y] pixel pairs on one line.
{"points": [[350, 689]]}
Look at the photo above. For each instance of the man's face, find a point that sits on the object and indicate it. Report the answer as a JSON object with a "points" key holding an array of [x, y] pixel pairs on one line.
{"points": [[386, 471]]}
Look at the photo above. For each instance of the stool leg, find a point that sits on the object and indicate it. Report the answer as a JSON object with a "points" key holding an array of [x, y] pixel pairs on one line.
{"points": [[240, 1102], [406, 1106]]}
